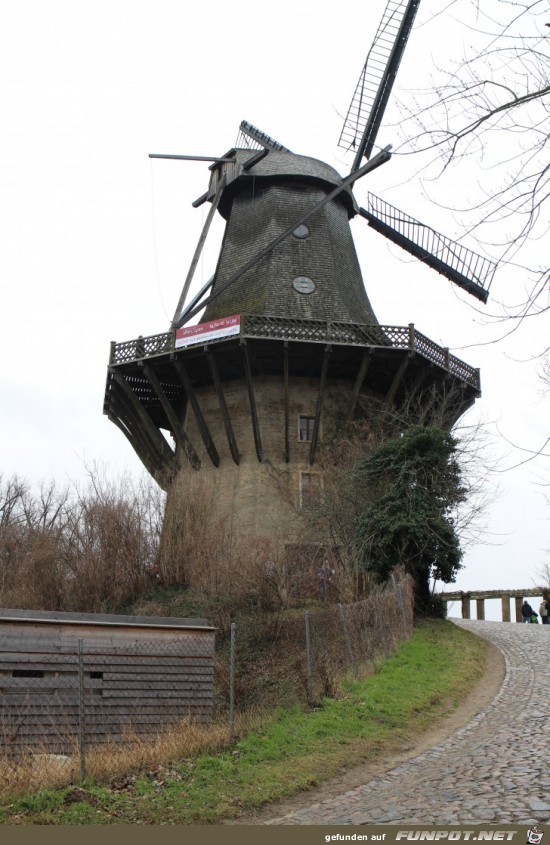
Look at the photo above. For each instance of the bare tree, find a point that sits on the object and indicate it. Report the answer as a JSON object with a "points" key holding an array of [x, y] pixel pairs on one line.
{"points": [[92, 548], [487, 116], [542, 581]]}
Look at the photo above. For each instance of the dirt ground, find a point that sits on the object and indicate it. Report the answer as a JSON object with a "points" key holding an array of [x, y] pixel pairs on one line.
{"points": [[477, 699]]}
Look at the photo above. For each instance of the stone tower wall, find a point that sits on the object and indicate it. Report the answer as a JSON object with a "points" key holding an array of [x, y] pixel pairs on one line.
{"points": [[263, 498]]}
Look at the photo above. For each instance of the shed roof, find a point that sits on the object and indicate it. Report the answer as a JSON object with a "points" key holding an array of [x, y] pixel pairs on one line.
{"points": [[102, 619]]}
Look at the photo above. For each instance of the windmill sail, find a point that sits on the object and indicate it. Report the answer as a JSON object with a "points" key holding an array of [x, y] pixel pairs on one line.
{"points": [[470, 271], [376, 80], [252, 138]]}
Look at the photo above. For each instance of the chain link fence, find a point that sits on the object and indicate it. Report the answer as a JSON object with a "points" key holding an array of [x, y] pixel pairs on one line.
{"points": [[75, 697], [101, 708], [302, 659]]}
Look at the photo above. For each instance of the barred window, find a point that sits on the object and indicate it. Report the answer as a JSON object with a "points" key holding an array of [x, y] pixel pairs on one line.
{"points": [[305, 429]]}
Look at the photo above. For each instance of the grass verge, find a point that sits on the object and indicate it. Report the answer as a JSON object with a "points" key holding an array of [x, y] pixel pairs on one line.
{"points": [[293, 752]]}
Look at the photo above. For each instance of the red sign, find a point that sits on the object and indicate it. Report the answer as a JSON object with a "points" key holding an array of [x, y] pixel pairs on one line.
{"points": [[214, 329]]}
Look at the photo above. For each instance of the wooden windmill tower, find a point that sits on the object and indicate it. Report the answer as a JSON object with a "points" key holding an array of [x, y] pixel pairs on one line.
{"points": [[288, 345]]}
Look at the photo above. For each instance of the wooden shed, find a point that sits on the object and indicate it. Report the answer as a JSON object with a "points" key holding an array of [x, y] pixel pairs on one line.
{"points": [[69, 677]]}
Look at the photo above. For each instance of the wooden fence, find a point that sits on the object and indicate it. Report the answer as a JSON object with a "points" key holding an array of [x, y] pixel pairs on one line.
{"points": [[68, 678]]}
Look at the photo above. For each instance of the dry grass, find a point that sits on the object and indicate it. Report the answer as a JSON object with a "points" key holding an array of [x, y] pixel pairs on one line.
{"points": [[36, 769], [271, 672]]}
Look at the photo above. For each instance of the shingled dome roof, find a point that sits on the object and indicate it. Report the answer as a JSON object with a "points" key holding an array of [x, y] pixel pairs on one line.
{"points": [[281, 165], [314, 272]]}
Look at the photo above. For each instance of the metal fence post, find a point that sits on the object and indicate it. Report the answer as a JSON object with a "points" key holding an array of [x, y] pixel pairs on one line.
{"points": [[81, 710], [348, 642], [232, 686], [309, 692]]}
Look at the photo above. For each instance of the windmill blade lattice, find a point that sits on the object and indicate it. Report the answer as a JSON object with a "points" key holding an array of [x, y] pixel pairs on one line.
{"points": [[376, 80], [251, 138], [461, 265]]}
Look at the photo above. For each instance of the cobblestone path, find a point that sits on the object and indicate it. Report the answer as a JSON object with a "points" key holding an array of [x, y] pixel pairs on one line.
{"points": [[495, 769]]}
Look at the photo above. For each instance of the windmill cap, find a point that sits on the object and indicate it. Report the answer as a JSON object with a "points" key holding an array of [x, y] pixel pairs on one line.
{"points": [[277, 166]]}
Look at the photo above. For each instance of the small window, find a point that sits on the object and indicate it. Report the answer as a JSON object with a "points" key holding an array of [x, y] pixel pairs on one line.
{"points": [[303, 284], [305, 429], [97, 675], [311, 489], [301, 231], [27, 673]]}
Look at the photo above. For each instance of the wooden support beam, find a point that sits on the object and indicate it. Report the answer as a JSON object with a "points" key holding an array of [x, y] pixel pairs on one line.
{"points": [[506, 608], [230, 434], [198, 250], [149, 430], [480, 608], [200, 200], [119, 412], [287, 409], [397, 379], [255, 159], [252, 400], [363, 369], [120, 416], [199, 417], [148, 458], [194, 158], [318, 409], [198, 296], [419, 381], [466, 606], [126, 406], [460, 410], [518, 603], [178, 431]]}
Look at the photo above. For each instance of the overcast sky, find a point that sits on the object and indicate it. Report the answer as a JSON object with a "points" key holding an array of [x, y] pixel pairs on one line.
{"points": [[97, 238]]}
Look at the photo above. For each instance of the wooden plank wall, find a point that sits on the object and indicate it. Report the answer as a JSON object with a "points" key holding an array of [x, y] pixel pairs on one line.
{"points": [[136, 681]]}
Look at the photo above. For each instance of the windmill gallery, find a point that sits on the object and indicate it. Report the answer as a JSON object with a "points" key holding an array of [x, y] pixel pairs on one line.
{"points": [[288, 349]]}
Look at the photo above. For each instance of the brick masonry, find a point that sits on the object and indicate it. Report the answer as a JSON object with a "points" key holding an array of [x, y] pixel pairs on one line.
{"points": [[262, 498]]}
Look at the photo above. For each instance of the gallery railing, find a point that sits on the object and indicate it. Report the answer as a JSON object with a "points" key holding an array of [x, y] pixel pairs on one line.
{"points": [[312, 331]]}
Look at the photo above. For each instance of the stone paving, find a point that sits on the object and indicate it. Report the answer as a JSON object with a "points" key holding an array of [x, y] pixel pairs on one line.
{"points": [[495, 769]]}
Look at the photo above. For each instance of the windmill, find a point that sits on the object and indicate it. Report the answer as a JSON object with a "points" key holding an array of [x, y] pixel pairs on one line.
{"points": [[288, 347]]}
